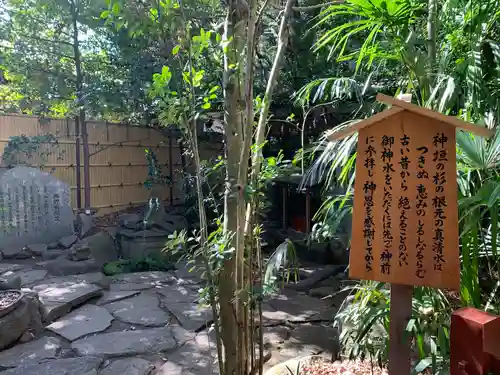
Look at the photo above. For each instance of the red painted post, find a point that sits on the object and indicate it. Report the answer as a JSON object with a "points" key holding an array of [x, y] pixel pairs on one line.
{"points": [[474, 342]]}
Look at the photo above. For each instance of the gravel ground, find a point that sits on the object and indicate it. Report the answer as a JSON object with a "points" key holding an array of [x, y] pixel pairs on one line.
{"points": [[323, 367]]}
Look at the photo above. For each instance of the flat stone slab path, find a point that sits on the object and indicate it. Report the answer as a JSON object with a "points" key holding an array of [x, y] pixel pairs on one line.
{"points": [[147, 323]]}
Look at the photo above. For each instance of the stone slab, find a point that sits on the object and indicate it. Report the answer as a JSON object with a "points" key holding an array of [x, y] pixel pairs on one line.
{"points": [[82, 322], [31, 352], [186, 271], [142, 309], [113, 296], [69, 366], [67, 241], [182, 302], [61, 297], [127, 343], [128, 366], [153, 277], [124, 287], [5, 267], [37, 249], [197, 356], [16, 252], [53, 254], [297, 307], [31, 276]]}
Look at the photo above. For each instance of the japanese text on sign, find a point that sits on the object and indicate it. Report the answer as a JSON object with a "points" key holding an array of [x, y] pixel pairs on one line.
{"points": [[404, 228]]}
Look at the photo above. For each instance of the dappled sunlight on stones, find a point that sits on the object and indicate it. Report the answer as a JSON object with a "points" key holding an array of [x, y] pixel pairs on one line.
{"points": [[182, 302], [61, 297], [142, 309], [81, 322], [70, 366], [117, 344], [196, 357], [32, 352]]}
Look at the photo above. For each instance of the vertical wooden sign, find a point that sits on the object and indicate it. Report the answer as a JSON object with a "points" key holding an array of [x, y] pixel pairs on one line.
{"points": [[405, 218]]}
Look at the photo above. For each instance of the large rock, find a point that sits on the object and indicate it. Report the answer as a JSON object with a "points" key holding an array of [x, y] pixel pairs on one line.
{"points": [[183, 303], [128, 366], [38, 207], [13, 325], [84, 224], [143, 310], [22, 278], [59, 297], [35, 311], [70, 366], [102, 246], [68, 241], [81, 322], [78, 254], [62, 266], [127, 343], [30, 353], [10, 281]]}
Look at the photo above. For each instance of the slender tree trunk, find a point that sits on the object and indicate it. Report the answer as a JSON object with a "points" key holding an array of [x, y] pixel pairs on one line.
{"points": [[231, 306], [266, 102], [81, 104], [431, 33]]}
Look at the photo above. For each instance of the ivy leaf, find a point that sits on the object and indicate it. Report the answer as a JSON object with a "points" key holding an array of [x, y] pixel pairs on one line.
{"points": [[213, 89], [206, 106], [176, 49]]}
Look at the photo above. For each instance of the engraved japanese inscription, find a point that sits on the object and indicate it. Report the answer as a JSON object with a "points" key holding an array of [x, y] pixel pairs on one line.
{"points": [[405, 217]]}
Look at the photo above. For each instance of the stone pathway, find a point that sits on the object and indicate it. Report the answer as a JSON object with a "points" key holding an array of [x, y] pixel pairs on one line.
{"points": [[146, 323]]}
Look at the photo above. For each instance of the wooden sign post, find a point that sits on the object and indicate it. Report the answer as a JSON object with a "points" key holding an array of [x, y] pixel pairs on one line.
{"points": [[405, 215]]}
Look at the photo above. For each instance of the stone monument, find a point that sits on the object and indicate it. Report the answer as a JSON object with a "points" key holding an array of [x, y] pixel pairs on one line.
{"points": [[34, 208]]}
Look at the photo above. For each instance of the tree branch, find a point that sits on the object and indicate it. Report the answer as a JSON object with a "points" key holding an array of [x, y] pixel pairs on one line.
{"points": [[266, 102]]}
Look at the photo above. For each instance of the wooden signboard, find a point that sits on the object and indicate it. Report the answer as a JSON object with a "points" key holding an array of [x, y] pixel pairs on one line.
{"points": [[405, 217]]}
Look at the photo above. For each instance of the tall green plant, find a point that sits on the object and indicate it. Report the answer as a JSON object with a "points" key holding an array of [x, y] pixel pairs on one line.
{"points": [[478, 162]]}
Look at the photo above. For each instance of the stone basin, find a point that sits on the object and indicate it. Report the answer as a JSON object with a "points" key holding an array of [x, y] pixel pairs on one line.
{"points": [[11, 305]]}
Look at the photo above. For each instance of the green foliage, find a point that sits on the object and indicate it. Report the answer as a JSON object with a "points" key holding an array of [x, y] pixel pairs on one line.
{"points": [[384, 23], [27, 146], [153, 262], [364, 323], [387, 40], [155, 171]]}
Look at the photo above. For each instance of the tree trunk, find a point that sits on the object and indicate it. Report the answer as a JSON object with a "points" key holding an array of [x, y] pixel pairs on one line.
{"points": [[231, 306], [81, 104], [431, 33]]}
